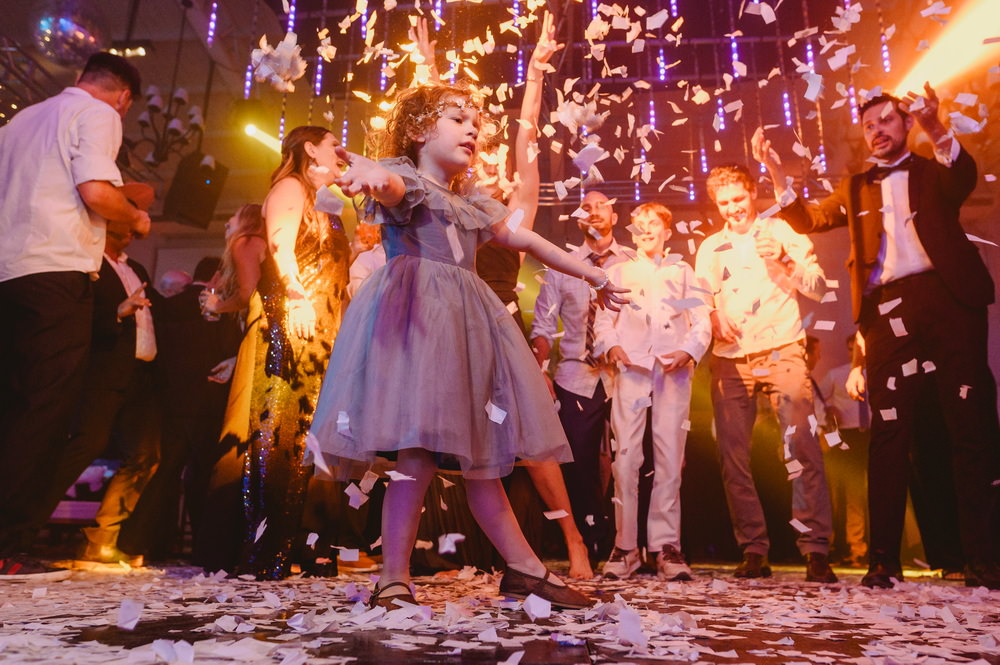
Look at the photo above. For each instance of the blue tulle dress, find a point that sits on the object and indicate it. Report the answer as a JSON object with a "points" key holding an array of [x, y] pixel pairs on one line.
{"points": [[427, 356]]}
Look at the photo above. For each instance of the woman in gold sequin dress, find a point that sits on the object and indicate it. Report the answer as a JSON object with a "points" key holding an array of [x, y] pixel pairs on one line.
{"points": [[303, 288]]}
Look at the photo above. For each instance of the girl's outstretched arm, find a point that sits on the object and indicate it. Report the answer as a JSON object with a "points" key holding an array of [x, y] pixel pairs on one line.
{"points": [[366, 177], [526, 240]]}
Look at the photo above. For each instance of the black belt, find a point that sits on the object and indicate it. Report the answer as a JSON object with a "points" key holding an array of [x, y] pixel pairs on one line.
{"points": [[897, 287]]}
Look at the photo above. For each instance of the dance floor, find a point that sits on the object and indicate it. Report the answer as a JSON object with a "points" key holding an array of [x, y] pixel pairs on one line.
{"points": [[177, 615]]}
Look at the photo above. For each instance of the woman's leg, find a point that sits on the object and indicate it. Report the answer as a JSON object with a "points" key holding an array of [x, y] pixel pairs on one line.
{"points": [[404, 500], [548, 480], [489, 505]]}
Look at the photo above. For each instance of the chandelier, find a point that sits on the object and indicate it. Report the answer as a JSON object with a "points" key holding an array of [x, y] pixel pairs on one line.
{"points": [[163, 129]]}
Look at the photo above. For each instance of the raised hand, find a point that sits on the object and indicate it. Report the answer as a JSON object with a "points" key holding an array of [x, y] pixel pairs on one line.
{"points": [[133, 303], [363, 176], [760, 147], [420, 34], [925, 113], [547, 45]]}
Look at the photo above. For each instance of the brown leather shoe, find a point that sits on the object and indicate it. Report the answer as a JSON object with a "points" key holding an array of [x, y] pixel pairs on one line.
{"points": [[818, 568], [753, 565], [389, 602], [520, 585]]}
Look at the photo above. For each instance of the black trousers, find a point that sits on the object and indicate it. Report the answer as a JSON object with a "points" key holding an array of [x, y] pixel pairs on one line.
{"points": [[585, 419], [130, 417], [948, 340], [44, 345]]}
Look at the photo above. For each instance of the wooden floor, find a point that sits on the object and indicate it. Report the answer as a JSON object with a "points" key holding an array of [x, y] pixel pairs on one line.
{"points": [[182, 616]]}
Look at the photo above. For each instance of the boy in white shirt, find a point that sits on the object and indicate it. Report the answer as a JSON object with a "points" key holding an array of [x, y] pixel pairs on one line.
{"points": [[655, 344]]}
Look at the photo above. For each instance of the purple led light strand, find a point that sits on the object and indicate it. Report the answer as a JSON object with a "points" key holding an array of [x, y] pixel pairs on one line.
{"points": [[291, 16], [213, 16]]}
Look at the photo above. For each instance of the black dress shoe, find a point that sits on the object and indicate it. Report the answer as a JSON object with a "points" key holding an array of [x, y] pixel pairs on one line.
{"points": [[753, 565], [516, 584], [818, 568], [983, 574], [880, 575]]}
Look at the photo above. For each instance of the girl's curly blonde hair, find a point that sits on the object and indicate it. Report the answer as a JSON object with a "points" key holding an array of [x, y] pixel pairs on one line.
{"points": [[414, 112]]}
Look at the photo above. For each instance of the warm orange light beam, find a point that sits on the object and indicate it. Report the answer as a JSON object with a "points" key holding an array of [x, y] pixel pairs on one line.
{"points": [[959, 48]]}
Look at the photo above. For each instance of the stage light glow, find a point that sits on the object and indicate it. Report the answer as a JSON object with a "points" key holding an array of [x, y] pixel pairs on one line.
{"points": [[959, 48], [268, 141], [213, 17]]}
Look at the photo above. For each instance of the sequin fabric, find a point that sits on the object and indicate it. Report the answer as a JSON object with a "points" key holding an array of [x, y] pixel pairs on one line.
{"points": [[288, 373]]}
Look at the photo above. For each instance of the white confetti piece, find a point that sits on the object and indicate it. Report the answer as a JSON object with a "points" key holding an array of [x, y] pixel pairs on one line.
{"points": [[311, 540], [261, 528], [898, 329], [963, 391], [128, 614], [910, 367], [537, 608], [495, 413], [799, 526], [555, 514], [928, 366], [397, 476], [888, 305], [447, 542], [888, 414]]}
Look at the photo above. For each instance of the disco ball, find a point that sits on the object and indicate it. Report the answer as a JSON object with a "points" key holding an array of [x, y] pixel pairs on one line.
{"points": [[67, 33]]}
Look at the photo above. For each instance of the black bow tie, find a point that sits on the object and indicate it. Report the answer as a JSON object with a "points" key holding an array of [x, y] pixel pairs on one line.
{"points": [[879, 173]]}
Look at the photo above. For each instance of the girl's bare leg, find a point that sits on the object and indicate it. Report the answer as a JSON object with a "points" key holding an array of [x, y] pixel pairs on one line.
{"points": [[548, 480], [489, 505], [401, 509]]}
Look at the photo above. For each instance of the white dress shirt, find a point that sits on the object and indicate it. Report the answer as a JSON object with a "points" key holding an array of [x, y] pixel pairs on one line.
{"points": [[568, 298], [902, 253], [145, 336], [758, 297], [46, 150], [668, 313], [364, 265]]}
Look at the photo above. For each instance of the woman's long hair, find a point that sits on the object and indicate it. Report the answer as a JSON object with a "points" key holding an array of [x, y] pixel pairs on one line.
{"points": [[295, 163], [249, 223]]}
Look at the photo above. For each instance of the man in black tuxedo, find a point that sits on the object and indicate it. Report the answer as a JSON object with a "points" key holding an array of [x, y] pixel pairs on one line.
{"points": [[196, 356], [919, 291], [121, 400]]}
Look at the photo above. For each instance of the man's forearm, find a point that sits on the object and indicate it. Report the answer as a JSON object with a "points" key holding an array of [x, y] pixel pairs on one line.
{"points": [[107, 201]]}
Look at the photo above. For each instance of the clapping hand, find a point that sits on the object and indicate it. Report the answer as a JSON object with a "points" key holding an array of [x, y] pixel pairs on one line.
{"points": [[760, 147], [363, 176]]}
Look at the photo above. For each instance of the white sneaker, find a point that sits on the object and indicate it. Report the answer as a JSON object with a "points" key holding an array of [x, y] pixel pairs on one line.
{"points": [[622, 563], [671, 566]]}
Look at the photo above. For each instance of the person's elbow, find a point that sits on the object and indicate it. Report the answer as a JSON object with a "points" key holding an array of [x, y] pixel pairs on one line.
{"points": [[95, 194]]}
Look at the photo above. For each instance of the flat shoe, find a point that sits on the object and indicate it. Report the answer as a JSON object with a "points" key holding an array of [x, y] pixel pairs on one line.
{"points": [[389, 602], [516, 584]]}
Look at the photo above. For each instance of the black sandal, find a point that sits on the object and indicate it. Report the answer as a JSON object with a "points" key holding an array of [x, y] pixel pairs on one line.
{"points": [[389, 602]]}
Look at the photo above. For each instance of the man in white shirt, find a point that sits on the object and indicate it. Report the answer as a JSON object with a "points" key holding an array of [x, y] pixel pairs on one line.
{"points": [[580, 377], [751, 271], [58, 193], [654, 344], [920, 291]]}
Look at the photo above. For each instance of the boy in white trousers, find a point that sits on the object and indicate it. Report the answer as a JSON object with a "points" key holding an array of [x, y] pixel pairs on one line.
{"points": [[655, 344]]}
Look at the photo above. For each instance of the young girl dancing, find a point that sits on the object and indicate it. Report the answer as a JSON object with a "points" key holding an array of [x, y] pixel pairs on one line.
{"points": [[428, 360]]}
